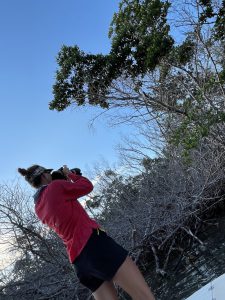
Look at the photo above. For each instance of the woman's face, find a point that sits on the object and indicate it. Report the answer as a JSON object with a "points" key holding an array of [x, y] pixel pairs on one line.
{"points": [[47, 177]]}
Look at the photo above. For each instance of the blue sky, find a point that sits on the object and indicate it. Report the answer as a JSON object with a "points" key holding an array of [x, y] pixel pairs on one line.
{"points": [[214, 290], [32, 33]]}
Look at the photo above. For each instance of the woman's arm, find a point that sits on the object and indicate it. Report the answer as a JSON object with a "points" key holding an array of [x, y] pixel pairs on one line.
{"points": [[78, 187]]}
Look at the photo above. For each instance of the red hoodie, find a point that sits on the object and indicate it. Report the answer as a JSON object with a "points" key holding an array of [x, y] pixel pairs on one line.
{"points": [[57, 206]]}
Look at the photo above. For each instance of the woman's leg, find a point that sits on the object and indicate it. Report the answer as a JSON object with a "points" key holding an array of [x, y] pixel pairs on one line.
{"points": [[106, 291], [130, 279]]}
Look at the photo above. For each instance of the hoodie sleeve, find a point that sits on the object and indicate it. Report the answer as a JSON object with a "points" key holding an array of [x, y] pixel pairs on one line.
{"points": [[78, 187]]}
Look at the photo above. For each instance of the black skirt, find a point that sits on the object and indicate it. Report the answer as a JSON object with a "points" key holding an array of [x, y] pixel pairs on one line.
{"points": [[99, 260]]}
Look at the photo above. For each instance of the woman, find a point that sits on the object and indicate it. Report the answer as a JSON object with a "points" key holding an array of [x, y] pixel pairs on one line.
{"points": [[99, 261]]}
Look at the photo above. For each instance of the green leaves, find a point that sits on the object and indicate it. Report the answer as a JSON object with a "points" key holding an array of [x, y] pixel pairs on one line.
{"points": [[220, 23], [194, 127], [217, 16], [145, 69], [140, 35], [80, 78], [183, 54], [140, 38], [207, 12]]}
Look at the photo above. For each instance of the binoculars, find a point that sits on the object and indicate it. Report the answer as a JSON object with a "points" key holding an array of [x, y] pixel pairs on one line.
{"points": [[58, 174]]}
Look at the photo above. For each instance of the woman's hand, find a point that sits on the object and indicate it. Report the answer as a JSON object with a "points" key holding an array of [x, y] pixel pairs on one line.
{"points": [[66, 170]]}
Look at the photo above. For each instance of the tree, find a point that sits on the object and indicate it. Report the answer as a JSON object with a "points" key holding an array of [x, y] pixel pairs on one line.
{"points": [[160, 213], [140, 38], [39, 266], [179, 84]]}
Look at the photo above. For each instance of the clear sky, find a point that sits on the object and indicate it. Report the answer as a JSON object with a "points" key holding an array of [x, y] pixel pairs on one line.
{"points": [[32, 33], [212, 291]]}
